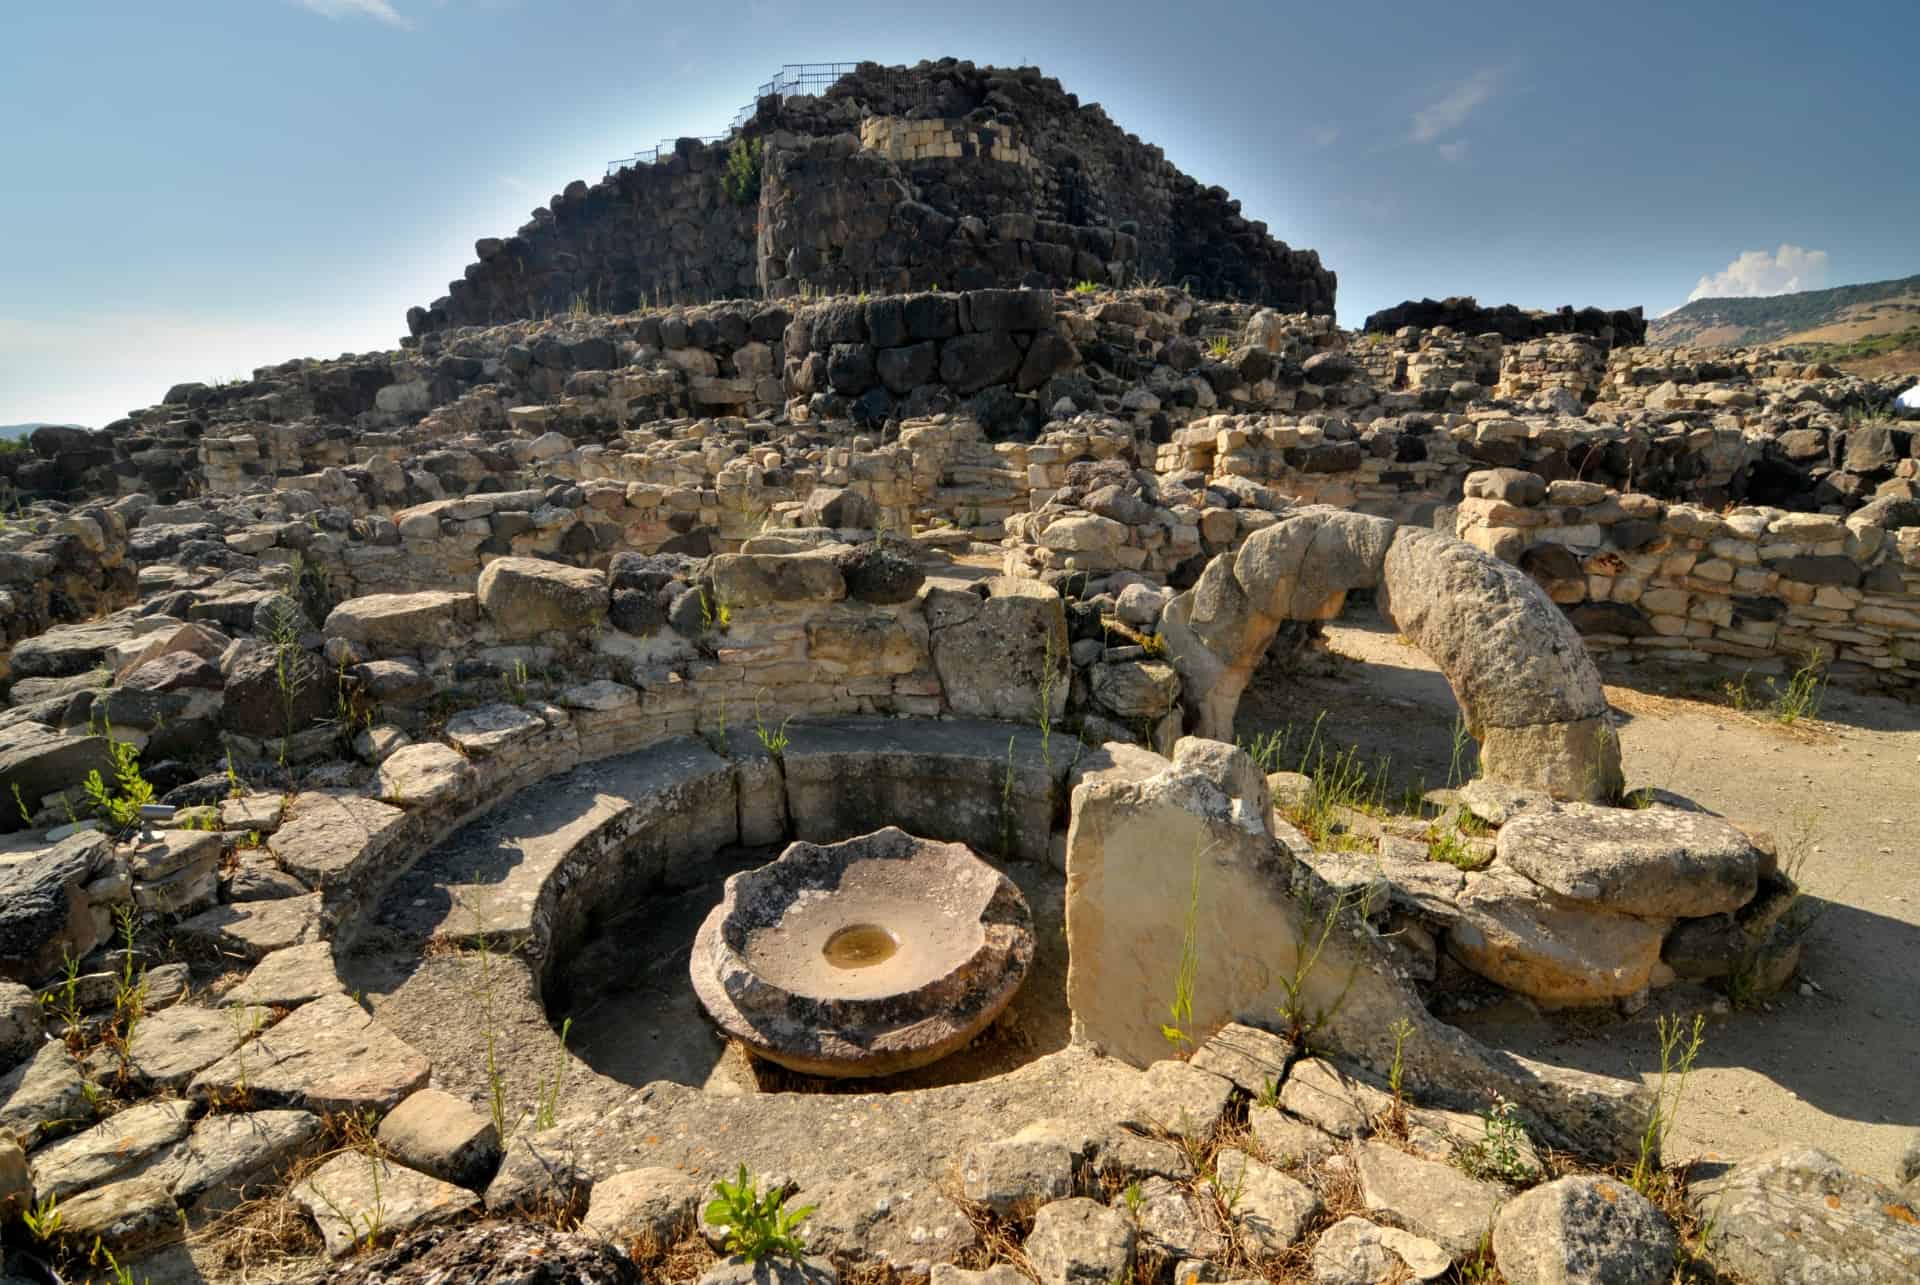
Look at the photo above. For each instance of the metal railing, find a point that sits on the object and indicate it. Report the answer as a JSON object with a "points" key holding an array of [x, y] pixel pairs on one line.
{"points": [[793, 79], [654, 153]]}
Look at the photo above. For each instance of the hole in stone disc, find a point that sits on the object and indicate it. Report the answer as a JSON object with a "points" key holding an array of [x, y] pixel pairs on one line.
{"points": [[860, 946]]}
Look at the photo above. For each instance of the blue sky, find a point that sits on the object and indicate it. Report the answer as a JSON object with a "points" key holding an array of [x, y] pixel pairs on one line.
{"points": [[196, 187]]}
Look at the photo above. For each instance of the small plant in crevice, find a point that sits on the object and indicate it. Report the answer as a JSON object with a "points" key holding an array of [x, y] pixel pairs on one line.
{"points": [[774, 740], [756, 1224], [62, 1001], [1044, 715], [716, 613], [1503, 1149], [43, 1219], [716, 734], [490, 1035], [1679, 1046], [1219, 347], [1478, 1267], [121, 802], [1402, 1031], [1084, 287], [26, 814], [546, 1114], [1314, 933], [1460, 765], [117, 1272], [294, 669], [1445, 843], [1178, 1033]]}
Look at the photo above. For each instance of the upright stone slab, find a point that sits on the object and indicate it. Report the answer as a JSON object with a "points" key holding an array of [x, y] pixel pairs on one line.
{"points": [[1140, 853]]}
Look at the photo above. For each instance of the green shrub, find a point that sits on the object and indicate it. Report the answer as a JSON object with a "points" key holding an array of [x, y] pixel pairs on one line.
{"points": [[741, 181], [120, 803]]}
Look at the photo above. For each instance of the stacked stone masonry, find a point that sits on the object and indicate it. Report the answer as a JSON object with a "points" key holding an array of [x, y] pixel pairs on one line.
{"points": [[894, 179], [964, 415]]}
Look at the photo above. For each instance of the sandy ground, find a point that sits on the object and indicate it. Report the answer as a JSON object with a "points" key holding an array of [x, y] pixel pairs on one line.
{"points": [[1834, 1061]]}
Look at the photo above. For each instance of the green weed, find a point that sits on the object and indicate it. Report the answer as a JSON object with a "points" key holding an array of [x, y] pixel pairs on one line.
{"points": [[1459, 764], [1179, 1034], [1314, 934], [774, 740], [756, 1225], [1402, 1031], [1501, 1152], [1445, 843], [546, 1114], [130, 792], [1679, 1046], [1800, 698], [44, 1219]]}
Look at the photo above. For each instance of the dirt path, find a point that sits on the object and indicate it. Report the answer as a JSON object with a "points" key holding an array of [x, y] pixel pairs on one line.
{"points": [[1834, 1063]]}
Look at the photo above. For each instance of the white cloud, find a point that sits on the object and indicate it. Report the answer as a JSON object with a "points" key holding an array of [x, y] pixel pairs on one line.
{"points": [[1451, 110], [1756, 273], [378, 10], [1453, 151]]}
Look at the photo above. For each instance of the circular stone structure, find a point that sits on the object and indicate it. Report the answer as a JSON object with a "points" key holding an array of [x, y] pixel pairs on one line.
{"points": [[867, 957]]}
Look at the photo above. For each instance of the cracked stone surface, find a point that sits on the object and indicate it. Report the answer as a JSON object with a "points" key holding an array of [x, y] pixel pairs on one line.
{"points": [[124, 1145], [230, 1157], [356, 1198], [289, 977], [1795, 1216], [1080, 1242], [1433, 1199], [330, 1055], [170, 1047]]}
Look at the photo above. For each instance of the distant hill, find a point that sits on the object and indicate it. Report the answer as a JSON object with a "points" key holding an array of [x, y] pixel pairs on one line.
{"points": [[21, 430], [1855, 320]]}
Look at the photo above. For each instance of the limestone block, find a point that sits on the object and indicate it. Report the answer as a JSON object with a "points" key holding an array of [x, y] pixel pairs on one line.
{"points": [[1555, 951], [1584, 1230], [1653, 862], [524, 597], [1000, 647]]}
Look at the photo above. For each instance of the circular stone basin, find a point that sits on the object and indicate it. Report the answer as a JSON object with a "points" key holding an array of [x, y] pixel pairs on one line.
{"points": [[868, 957]]}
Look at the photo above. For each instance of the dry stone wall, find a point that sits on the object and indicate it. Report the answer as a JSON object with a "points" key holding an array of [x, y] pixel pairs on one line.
{"points": [[968, 416], [59, 571], [1745, 589], [665, 232], [1616, 328]]}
